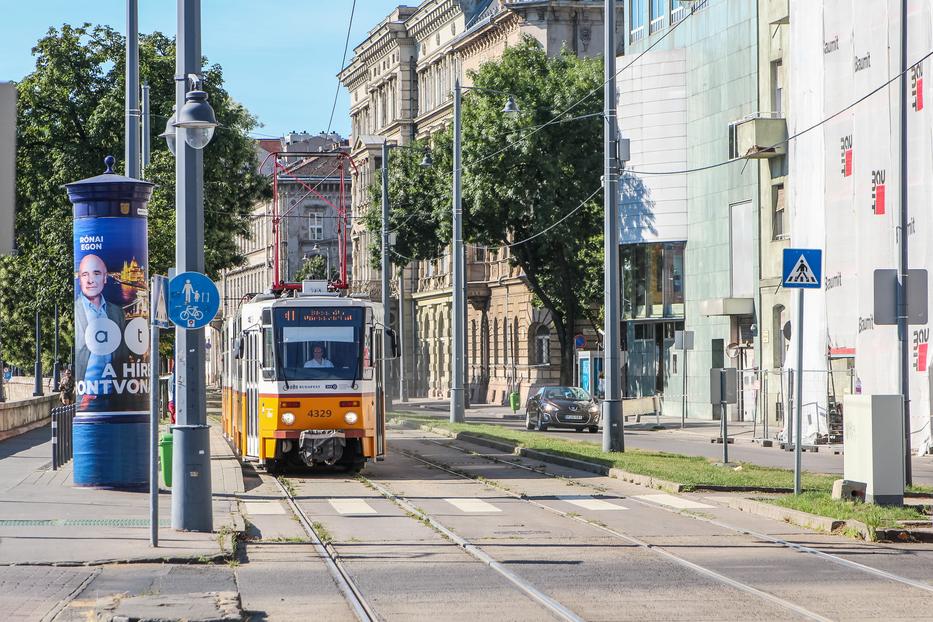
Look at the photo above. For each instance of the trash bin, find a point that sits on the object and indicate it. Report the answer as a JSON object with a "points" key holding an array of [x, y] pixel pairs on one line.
{"points": [[514, 400], [165, 458]]}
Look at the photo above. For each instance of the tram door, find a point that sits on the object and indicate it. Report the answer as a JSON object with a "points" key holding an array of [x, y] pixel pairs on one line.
{"points": [[252, 394]]}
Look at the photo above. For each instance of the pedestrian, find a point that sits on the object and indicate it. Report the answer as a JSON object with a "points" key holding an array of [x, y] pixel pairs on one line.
{"points": [[601, 386], [67, 386], [171, 397]]}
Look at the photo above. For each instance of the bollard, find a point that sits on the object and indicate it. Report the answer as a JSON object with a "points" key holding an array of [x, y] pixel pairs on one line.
{"points": [[54, 439]]}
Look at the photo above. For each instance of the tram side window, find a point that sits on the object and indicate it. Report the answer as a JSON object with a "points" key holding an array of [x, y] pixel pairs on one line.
{"points": [[268, 353]]}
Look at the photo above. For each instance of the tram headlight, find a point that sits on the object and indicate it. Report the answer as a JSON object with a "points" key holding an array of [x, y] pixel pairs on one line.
{"points": [[288, 418], [351, 418]]}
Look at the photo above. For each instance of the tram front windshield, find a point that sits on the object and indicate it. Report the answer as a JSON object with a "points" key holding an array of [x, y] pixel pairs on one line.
{"points": [[323, 343]]}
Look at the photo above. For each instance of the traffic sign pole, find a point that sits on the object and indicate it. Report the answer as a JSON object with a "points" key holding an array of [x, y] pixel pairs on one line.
{"points": [[803, 269], [798, 405]]}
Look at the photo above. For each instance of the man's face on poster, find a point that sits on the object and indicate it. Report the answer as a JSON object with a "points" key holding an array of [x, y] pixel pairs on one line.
{"points": [[92, 274]]}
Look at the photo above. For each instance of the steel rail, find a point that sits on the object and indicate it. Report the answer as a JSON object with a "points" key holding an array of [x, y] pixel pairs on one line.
{"points": [[801, 548], [363, 610], [549, 603], [712, 574]]}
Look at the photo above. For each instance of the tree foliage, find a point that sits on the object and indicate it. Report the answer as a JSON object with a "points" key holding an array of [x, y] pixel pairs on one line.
{"points": [[521, 175], [70, 114], [314, 268]]}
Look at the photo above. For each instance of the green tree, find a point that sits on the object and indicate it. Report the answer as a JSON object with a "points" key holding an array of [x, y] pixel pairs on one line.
{"points": [[314, 269], [520, 177], [69, 116]]}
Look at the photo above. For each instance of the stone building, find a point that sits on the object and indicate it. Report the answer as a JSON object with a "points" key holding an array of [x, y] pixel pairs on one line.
{"points": [[400, 82], [308, 224]]}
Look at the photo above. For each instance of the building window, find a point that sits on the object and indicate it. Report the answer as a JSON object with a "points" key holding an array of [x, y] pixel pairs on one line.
{"points": [[656, 21], [637, 17], [653, 280], [316, 226], [777, 80], [778, 222], [678, 11], [542, 345]]}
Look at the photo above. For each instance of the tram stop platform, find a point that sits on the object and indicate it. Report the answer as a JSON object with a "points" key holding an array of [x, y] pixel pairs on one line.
{"points": [[46, 520]]}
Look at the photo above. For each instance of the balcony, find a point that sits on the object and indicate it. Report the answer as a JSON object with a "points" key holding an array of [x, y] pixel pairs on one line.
{"points": [[778, 11], [759, 136]]}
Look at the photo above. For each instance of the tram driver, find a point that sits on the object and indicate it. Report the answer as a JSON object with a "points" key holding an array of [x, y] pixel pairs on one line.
{"points": [[317, 357]]}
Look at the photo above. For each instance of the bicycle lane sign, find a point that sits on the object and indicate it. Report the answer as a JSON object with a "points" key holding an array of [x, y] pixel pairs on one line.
{"points": [[193, 300]]}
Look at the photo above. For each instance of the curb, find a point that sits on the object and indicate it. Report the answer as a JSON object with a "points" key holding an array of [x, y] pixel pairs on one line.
{"points": [[582, 465], [824, 523], [591, 467]]}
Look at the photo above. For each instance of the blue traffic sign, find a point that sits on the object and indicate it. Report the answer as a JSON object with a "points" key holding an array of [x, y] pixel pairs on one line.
{"points": [[803, 268], [193, 300]]}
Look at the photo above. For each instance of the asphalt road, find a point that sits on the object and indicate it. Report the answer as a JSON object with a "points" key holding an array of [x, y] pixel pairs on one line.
{"points": [[599, 548], [447, 530]]}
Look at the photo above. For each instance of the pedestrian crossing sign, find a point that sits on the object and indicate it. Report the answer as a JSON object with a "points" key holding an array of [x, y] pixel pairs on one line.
{"points": [[803, 268]]}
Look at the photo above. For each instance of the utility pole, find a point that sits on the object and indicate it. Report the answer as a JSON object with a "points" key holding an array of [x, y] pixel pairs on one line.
{"points": [[191, 489], [56, 366], [613, 429], [457, 404], [902, 329], [384, 274], [131, 133], [146, 130], [37, 368], [402, 393]]}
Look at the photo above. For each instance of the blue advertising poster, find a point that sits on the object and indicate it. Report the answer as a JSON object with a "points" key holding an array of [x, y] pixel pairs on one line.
{"points": [[111, 316]]}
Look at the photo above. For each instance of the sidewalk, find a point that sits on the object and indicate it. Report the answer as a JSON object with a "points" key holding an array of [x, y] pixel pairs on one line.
{"points": [[46, 520]]}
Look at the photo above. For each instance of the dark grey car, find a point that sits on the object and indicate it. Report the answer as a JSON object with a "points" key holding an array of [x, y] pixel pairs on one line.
{"points": [[561, 407]]}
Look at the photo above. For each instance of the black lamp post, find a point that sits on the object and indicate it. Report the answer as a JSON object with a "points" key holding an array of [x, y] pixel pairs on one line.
{"points": [[56, 366], [37, 387]]}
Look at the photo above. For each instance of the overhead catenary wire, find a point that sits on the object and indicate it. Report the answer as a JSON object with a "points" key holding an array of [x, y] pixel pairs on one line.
{"points": [[877, 89], [557, 117], [346, 46]]}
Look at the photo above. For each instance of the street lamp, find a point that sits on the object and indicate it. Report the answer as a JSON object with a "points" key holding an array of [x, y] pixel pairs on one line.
{"points": [[169, 133], [458, 332], [196, 117], [191, 489], [386, 270]]}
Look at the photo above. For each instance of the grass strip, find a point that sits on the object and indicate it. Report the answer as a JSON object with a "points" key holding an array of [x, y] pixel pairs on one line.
{"points": [[691, 471], [822, 504]]}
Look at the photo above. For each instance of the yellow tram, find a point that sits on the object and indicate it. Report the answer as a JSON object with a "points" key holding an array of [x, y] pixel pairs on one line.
{"points": [[301, 381]]}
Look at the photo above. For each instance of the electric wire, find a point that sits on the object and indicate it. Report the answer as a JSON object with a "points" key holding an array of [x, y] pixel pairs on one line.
{"points": [[787, 140], [556, 119], [562, 219], [346, 46]]}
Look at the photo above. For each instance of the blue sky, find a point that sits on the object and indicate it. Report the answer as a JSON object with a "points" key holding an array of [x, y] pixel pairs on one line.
{"points": [[280, 58]]}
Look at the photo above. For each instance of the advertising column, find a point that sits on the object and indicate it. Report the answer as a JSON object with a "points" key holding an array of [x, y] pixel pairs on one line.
{"points": [[111, 256]]}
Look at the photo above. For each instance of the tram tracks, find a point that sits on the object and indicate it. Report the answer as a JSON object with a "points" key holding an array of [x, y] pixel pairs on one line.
{"points": [[841, 561], [711, 574], [345, 583]]}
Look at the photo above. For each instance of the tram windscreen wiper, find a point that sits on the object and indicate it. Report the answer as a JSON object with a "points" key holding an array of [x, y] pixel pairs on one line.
{"points": [[278, 362]]}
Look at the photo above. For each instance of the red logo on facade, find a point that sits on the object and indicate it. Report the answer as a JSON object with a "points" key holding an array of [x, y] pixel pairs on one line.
{"points": [[921, 347], [877, 192], [916, 86], [846, 149]]}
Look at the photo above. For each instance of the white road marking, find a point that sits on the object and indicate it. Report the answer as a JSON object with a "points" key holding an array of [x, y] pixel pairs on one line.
{"points": [[351, 506], [589, 503], [675, 502], [256, 508], [472, 505]]}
